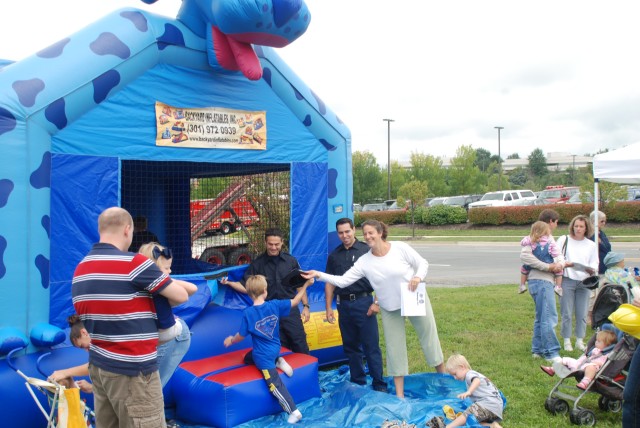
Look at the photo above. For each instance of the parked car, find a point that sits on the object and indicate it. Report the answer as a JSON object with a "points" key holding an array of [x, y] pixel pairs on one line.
{"points": [[436, 201], [580, 198], [461, 201], [394, 206], [558, 194], [502, 198], [587, 198], [633, 194], [357, 208], [528, 202], [374, 207]]}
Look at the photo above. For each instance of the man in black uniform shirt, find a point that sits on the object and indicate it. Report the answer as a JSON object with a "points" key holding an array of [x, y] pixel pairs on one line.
{"points": [[140, 234], [359, 328], [275, 264]]}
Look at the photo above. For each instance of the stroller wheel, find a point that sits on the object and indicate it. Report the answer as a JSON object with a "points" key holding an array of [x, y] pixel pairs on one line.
{"points": [[549, 404], [583, 417], [609, 405], [603, 403], [556, 406]]}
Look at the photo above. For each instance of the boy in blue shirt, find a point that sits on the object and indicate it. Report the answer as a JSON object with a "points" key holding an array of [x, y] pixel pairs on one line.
{"points": [[261, 321]]}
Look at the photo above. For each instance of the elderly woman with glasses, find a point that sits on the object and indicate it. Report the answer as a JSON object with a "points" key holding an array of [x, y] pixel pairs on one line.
{"points": [[604, 246]]}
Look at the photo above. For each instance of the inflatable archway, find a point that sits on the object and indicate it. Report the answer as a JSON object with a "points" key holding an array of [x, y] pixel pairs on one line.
{"points": [[74, 115]]}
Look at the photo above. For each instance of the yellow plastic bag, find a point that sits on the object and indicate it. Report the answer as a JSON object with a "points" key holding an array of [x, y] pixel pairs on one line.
{"points": [[71, 409]]}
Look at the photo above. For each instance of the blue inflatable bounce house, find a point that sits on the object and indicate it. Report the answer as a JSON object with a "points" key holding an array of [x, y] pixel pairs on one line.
{"points": [[125, 104]]}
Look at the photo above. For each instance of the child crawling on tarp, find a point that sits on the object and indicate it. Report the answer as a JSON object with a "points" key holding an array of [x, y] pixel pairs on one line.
{"points": [[262, 321], [487, 402]]}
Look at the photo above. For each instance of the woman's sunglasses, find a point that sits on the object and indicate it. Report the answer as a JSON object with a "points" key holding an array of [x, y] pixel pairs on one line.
{"points": [[157, 252]]}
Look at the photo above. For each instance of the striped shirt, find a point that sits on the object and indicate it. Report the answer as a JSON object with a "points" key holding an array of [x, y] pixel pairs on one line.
{"points": [[112, 292]]}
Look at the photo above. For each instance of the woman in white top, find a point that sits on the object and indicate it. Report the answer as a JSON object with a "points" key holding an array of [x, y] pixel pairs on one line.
{"points": [[575, 298], [388, 266]]}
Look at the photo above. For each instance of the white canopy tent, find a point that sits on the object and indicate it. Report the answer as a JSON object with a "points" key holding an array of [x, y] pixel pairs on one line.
{"points": [[618, 166]]}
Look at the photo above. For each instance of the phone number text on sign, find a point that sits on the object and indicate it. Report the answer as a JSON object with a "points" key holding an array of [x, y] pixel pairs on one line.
{"points": [[207, 130]]}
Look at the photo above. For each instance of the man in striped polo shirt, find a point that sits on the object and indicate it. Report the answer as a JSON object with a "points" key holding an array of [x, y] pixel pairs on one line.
{"points": [[112, 292]]}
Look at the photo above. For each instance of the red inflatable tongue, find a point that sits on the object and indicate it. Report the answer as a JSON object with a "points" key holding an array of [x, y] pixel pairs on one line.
{"points": [[234, 55]]}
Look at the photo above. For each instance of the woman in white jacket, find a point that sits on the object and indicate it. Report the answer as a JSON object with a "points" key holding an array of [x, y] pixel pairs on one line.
{"points": [[581, 255], [387, 266]]}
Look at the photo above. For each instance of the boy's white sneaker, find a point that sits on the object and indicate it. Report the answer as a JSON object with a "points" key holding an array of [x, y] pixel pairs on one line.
{"points": [[282, 364], [294, 417], [580, 345], [567, 345]]}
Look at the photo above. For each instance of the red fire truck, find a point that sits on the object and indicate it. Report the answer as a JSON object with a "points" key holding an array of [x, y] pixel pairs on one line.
{"points": [[558, 194], [226, 222]]}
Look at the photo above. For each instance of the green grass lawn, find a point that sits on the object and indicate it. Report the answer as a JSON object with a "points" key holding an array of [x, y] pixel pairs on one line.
{"points": [[492, 327]]}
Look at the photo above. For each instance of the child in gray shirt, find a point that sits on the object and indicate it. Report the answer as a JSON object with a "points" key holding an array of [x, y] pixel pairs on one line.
{"points": [[487, 402]]}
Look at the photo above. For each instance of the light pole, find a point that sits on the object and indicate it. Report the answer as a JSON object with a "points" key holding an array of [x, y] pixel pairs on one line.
{"points": [[499, 159], [388, 156]]}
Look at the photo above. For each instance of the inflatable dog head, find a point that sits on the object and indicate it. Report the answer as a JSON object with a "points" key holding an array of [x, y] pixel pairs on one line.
{"points": [[232, 26]]}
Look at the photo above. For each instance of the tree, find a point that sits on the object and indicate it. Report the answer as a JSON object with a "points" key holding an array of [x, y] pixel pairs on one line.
{"points": [[518, 177], [464, 175], [429, 169], [399, 176], [203, 188], [483, 159], [538, 163], [415, 191], [610, 193], [367, 177], [513, 156]]}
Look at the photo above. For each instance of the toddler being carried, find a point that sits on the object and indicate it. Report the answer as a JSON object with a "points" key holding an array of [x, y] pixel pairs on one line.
{"points": [[544, 247]]}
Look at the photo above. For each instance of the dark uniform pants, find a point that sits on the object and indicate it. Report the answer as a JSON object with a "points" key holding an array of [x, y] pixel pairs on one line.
{"points": [[360, 333]]}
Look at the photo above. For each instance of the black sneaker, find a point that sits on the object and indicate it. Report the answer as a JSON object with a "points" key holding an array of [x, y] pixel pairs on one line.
{"points": [[381, 388]]}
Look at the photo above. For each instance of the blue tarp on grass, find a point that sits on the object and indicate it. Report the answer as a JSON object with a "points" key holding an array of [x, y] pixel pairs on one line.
{"points": [[344, 404]]}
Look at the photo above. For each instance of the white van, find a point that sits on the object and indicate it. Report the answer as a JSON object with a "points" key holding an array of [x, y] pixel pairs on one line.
{"points": [[503, 198]]}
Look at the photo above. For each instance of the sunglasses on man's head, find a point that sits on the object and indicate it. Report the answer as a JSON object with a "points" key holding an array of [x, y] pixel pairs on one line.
{"points": [[157, 252]]}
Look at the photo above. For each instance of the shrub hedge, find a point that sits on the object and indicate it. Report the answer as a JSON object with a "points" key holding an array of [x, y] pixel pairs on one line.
{"points": [[438, 215], [444, 214], [618, 212], [387, 217]]}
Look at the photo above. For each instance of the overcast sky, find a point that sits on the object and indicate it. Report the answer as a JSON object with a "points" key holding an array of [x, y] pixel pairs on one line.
{"points": [[557, 75]]}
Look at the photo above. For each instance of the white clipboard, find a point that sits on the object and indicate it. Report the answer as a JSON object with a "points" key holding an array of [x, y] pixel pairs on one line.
{"points": [[412, 303], [580, 267]]}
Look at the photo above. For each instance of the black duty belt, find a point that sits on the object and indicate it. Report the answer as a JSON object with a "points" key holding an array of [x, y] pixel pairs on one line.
{"points": [[352, 297]]}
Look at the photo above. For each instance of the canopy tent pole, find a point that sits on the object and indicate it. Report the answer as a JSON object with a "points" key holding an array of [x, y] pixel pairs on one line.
{"points": [[596, 208]]}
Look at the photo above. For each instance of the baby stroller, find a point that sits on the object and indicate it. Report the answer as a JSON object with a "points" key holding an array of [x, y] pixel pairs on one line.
{"points": [[609, 380], [66, 410], [609, 298]]}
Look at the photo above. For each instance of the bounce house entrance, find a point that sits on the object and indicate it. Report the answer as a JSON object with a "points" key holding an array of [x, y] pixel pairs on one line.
{"points": [[206, 212]]}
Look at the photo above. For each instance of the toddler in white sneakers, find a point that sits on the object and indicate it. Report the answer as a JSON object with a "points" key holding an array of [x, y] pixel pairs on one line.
{"points": [[544, 247]]}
